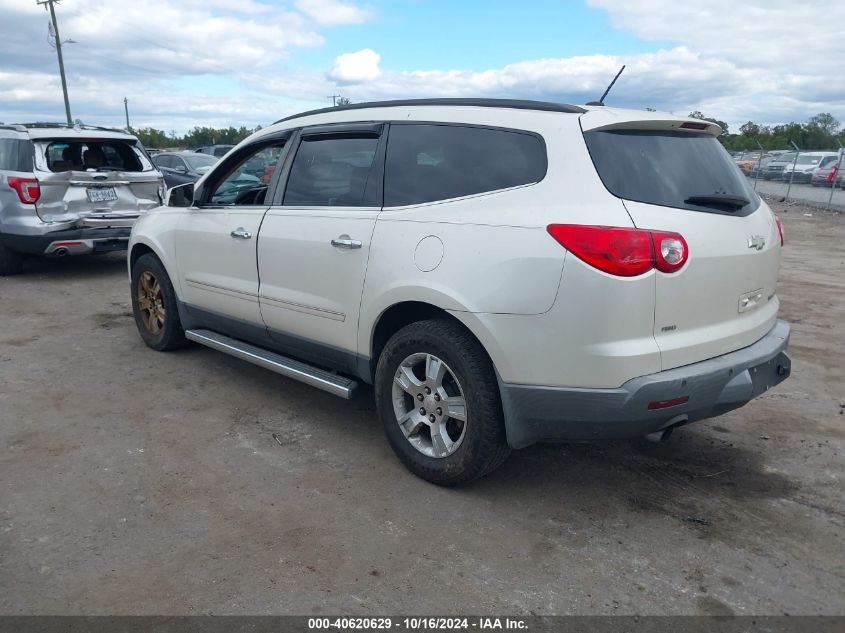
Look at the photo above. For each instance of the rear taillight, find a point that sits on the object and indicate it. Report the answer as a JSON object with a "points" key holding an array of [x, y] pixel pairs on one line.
{"points": [[670, 251], [27, 189], [780, 229], [620, 251]]}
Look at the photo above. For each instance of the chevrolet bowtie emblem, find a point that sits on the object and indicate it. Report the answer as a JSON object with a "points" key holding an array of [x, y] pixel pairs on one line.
{"points": [[757, 242]]}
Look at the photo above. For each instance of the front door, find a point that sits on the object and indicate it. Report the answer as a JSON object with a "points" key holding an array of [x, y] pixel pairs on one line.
{"points": [[215, 244], [315, 242]]}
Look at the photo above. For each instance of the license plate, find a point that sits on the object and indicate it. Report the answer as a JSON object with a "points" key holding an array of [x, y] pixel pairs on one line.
{"points": [[101, 194]]}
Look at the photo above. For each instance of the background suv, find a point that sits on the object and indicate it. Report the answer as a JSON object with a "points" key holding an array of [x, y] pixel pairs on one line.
{"points": [[503, 272], [70, 190]]}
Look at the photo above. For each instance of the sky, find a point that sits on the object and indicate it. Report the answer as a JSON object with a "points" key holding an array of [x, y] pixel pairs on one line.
{"points": [[186, 63]]}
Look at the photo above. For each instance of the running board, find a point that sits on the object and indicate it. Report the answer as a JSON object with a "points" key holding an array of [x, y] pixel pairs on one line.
{"points": [[319, 378]]}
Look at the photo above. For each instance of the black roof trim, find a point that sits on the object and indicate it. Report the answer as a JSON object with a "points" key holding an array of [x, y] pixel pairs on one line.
{"points": [[515, 104]]}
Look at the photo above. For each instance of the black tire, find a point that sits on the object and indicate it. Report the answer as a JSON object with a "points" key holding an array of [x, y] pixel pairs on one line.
{"points": [[483, 446], [11, 263], [164, 333]]}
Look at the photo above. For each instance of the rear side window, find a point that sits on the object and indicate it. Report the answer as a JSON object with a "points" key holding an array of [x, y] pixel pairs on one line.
{"points": [[331, 171], [671, 169], [15, 154], [428, 162]]}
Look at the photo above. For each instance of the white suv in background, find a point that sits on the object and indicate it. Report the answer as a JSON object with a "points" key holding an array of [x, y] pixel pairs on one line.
{"points": [[503, 272]]}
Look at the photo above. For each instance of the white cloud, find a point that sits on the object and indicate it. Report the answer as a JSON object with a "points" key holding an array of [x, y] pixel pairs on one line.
{"points": [[333, 12], [217, 62], [357, 67]]}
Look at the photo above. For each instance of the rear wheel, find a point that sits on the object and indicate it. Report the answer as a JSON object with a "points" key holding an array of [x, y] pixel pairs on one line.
{"points": [[438, 399], [154, 305], [11, 263]]}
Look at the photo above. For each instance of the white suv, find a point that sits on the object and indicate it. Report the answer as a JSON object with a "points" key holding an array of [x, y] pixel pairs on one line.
{"points": [[503, 272]]}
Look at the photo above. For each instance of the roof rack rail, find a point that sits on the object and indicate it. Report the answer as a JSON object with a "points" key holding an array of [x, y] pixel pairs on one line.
{"points": [[17, 127], [65, 126], [516, 104]]}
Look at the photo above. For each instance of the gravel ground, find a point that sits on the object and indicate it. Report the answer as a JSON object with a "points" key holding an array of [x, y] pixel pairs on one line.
{"points": [[134, 482]]}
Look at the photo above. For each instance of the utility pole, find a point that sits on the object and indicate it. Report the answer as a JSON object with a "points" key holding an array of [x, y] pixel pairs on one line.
{"points": [[334, 100], [126, 108], [50, 4]]}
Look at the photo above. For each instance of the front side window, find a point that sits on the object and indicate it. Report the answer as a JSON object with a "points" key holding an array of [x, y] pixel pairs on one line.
{"points": [[331, 171], [163, 161], [428, 162], [245, 182]]}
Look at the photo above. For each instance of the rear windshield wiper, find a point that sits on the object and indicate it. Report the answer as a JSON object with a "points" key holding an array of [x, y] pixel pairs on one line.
{"points": [[720, 199]]}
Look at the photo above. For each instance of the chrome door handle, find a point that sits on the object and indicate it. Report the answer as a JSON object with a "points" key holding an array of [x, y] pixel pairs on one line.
{"points": [[344, 242], [241, 233]]}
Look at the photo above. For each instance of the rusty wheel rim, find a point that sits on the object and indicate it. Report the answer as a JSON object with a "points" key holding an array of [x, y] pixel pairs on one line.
{"points": [[151, 303]]}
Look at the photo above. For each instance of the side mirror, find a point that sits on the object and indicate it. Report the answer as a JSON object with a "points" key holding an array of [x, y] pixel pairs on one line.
{"points": [[180, 196], [181, 169]]}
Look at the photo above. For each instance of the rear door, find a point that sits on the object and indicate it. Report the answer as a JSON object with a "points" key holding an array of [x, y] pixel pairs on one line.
{"points": [[315, 242], [677, 178], [96, 182]]}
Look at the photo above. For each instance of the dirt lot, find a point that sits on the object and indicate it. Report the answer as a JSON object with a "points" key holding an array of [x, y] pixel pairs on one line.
{"points": [[135, 482]]}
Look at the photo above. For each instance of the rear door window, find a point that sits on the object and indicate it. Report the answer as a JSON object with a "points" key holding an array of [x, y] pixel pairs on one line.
{"points": [[684, 170], [331, 171], [429, 162]]}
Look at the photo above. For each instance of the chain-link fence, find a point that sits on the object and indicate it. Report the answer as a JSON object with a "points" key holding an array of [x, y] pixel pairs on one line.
{"points": [[822, 187]]}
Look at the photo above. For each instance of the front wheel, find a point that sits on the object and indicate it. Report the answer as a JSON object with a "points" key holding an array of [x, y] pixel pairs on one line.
{"points": [[154, 305], [438, 398]]}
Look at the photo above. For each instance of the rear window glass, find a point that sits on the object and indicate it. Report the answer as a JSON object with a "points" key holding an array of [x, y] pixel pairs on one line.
{"points": [[92, 155], [428, 162], [671, 169], [15, 154]]}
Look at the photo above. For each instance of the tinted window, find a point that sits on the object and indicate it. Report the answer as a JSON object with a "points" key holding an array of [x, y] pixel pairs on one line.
{"points": [[163, 161], [672, 169], [15, 154], [245, 176], [331, 172], [437, 162]]}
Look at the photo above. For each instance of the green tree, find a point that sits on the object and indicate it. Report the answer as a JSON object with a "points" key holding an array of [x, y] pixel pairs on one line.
{"points": [[825, 121]]}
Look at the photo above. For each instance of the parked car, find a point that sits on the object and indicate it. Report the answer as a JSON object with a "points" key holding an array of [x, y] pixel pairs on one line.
{"points": [[761, 167], [823, 176], [70, 190], [807, 163], [214, 150], [774, 170], [748, 161], [179, 168], [503, 272]]}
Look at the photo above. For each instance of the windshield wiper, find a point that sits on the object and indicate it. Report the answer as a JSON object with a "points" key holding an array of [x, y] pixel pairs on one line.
{"points": [[720, 199]]}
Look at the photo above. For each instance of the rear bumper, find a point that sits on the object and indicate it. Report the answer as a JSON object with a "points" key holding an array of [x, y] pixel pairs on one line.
{"points": [[715, 386], [69, 242]]}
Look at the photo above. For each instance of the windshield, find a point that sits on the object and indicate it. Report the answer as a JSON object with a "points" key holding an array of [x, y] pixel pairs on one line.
{"points": [[199, 162], [785, 158], [809, 160], [672, 169]]}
